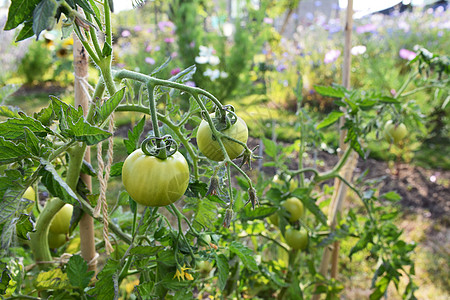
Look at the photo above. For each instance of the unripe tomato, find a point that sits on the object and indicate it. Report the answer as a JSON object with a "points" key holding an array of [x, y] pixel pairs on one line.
{"points": [[56, 240], [204, 239], [151, 181], [393, 132], [274, 219], [293, 184], [211, 148], [61, 221], [204, 266], [30, 195], [297, 239], [295, 208]]}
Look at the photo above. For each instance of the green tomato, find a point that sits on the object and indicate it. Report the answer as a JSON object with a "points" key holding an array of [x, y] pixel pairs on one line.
{"points": [[30, 195], [61, 221], [56, 240], [204, 266], [294, 207], [274, 219], [394, 132], [204, 239], [211, 148], [297, 239], [151, 181], [293, 184]]}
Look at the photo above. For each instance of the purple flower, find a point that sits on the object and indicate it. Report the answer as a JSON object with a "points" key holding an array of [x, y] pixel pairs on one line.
{"points": [[149, 60], [317, 3], [331, 56], [268, 20], [407, 54], [137, 28], [192, 44], [169, 40], [126, 33], [157, 48], [175, 71], [165, 24], [281, 68], [190, 83], [393, 92], [120, 65], [148, 48], [366, 28], [174, 54]]}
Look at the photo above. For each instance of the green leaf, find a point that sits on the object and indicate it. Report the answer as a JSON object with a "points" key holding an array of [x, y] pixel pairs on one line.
{"points": [[11, 152], [5, 278], [353, 138], [362, 243], [44, 16], [77, 271], [161, 67], [84, 4], [52, 280], [88, 169], [32, 142], [386, 99], [329, 91], [19, 12], [116, 169], [97, 14], [391, 196], [45, 115], [107, 50], [310, 204], [25, 32], [9, 112], [24, 226], [105, 288], [12, 129], [245, 254], [332, 118], [206, 213], [146, 250], [56, 185], [380, 290], [247, 213], [270, 148], [110, 105], [223, 268], [134, 135], [85, 132]]}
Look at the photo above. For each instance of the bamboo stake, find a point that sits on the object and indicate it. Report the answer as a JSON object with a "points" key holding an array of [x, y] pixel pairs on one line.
{"points": [[86, 225], [340, 189]]}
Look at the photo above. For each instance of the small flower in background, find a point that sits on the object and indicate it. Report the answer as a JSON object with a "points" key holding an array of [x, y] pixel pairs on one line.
{"points": [[393, 92], [206, 56], [223, 75], [192, 44], [120, 65], [148, 48], [169, 40], [366, 28], [281, 68], [150, 60], [331, 56], [175, 71], [165, 24], [157, 48], [126, 33], [137, 28], [317, 3], [212, 74], [358, 50], [404, 26], [190, 83], [268, 20], [407, 54], [174, 54]]}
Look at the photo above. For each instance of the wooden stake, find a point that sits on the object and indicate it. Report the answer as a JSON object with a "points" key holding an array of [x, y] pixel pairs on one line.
{"points": [[86, 225]]}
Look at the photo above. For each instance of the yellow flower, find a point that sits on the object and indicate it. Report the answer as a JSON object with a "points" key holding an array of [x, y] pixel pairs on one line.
{"points": [[180, 273], [67, 42]]}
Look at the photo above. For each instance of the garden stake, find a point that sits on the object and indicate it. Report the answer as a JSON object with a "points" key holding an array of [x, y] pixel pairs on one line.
{"points": [[81, 94]]}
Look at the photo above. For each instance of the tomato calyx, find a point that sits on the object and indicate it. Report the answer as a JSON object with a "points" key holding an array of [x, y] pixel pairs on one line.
{"points": [[160, 147], [224, 118]]}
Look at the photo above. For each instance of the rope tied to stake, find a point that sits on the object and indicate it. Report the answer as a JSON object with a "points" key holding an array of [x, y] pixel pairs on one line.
{"points": [[102, 204]]}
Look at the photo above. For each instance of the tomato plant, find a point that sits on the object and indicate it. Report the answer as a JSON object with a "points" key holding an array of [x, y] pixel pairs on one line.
{"points": [[297, 239], [152, 181], [210, 147], [394, 133]]}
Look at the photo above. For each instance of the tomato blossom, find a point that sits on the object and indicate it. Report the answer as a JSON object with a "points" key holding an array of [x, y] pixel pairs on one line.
{"points": [[180, 273]]}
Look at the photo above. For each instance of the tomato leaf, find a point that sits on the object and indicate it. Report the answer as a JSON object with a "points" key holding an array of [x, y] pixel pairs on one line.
{"points": [[245, 254], [25, 32], [77, 271], [116, 169], [109, 106], [24, 225], [44, 16], [270, 148], [146, 250], [332, 118], [329, 91], [19, 12], [5, 278], [206, 213], [134, 135], [362, 243], [52, 280], [224, 268], [105, 288], [248, 213], [11, 152], [391, 196], [56, 185], [12, 129]]}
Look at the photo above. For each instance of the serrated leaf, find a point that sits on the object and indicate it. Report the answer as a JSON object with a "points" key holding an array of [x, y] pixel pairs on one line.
{"points": [[88, 169], [9, 112], [146, 250], [85, 132], [116, 169], [223, 268], [32, 142], [110, 105], [25, 32], [56, 185], [12, 129], [45, 115], [52, 280], [132, 143], [206, 213], [77, 272], [105, 288], [24, 225], [329, 91], [44, 16], [332, 118], [11, 152], [353, 138], [19, 12], [248, 213], [362, 243], [245, 254]]}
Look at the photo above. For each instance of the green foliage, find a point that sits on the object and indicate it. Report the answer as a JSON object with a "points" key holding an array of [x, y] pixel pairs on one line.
{"points": [[36, 63]]}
